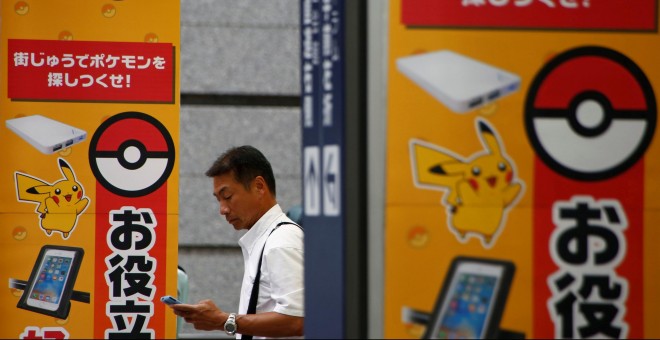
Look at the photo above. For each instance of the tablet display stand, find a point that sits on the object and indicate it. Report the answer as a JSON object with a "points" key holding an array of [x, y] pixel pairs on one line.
{"points": [[410, 315], [76, 295], [66, 291], [79, 296], [503, 275]]}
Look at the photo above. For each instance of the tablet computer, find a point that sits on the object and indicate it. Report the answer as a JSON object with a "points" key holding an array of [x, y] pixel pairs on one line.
{"points": [[45, 134], [460, 82], [472, 299], [49, 289]]}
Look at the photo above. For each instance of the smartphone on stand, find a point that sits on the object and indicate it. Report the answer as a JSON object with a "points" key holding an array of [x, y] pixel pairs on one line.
{"points": [[51, 282], [472, 299]]}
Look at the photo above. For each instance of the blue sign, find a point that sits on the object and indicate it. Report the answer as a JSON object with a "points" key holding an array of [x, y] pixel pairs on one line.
{"points": [[322, 120]]}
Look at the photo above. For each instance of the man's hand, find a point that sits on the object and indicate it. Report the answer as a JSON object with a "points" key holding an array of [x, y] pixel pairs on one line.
{"points": [[204, 315]]}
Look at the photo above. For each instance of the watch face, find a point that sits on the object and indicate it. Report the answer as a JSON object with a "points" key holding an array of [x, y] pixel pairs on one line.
{"points": [[230, 324], [230, 328]]}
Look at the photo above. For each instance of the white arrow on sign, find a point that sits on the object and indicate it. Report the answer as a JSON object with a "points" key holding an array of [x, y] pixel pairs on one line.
{"points": [[312, 180], [331, 181]]}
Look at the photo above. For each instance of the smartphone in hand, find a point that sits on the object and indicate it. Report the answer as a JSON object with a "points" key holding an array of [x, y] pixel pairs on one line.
{"points": [[169, 300]]}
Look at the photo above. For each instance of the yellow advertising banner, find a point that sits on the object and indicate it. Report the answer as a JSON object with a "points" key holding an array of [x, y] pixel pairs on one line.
{"points": [[89, 122], [522, 188]]}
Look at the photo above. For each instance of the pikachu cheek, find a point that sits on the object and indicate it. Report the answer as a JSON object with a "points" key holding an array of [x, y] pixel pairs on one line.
{"points": [[79, 194], [474, 184], [509, 177], [56, 199]]}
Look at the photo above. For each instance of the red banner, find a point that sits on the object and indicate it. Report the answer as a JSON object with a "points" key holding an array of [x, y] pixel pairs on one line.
{"points": [[90, 71], [131, 253], [588, 255], [131, 155], [544, 14]]}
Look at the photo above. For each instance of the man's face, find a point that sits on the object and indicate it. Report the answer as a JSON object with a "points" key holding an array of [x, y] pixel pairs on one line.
{"points": [[237, 204]]}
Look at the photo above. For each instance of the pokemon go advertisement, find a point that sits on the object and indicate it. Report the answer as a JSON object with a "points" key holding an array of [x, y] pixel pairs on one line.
{"points": [[522, 132], [89, 121]]}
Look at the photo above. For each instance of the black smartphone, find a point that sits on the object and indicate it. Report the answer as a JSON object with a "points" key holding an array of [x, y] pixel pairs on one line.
{"points": [[51, 282]]}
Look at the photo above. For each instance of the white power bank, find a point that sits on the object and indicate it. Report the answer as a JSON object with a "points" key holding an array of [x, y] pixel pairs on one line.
{"points": [[459, 82], [45, 134]]}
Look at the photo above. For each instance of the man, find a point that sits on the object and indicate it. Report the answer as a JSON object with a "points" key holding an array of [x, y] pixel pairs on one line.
{"points": [[244, 185]]}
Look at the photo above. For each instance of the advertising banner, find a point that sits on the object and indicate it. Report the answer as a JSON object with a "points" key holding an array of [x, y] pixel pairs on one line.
{"points": [[547, 14], [89, 121], [522, 187]]}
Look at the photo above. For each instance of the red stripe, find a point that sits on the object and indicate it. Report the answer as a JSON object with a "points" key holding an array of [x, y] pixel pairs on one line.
{"points": [[105, 202], [628, 189]]}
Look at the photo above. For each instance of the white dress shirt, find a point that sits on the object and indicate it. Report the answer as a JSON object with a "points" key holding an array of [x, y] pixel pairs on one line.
{"points": [[281, 287]]}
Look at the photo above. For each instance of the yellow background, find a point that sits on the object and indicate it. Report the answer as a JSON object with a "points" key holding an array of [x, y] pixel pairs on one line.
{"points": [[414, 268], [132, 21]]}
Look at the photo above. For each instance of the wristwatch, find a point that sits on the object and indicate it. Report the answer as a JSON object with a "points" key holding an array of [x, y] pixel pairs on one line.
{"points": [[230, 324]]}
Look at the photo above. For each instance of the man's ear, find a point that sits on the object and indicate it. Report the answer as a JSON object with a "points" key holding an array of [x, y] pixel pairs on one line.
{"points": [[260, 184]]}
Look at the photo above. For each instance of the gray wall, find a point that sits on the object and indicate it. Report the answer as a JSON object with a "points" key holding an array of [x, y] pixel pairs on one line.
{"points": [[245, 52]]}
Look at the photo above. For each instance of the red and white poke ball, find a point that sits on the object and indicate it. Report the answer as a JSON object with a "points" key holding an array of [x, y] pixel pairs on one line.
{"points": [[131, 154], [590, 113]]}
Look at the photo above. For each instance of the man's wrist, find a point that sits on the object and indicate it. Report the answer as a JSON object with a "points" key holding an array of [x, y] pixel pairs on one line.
{"points": [[223, 318]]}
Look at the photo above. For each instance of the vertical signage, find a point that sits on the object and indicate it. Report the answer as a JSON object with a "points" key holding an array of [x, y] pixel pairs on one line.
{"points": [[89, 117], [594, 234], [322, 83], [543, 154]]}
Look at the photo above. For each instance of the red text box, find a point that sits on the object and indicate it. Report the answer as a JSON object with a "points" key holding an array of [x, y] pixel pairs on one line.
{"points": [[635, 15], [53, 70]]}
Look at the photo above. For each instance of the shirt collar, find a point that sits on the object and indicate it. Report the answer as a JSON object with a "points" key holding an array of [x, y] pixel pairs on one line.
{"points": [[264, 223]]}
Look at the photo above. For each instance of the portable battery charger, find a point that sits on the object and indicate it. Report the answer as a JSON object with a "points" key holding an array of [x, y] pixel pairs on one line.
{"points": [[45, 134], [461, 83]]}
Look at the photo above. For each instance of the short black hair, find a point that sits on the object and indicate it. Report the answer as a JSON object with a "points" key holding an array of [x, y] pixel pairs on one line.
{"points": [[245, 163]]}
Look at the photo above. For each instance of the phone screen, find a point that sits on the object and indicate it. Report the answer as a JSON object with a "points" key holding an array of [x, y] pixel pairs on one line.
{"points": [[468, 307], [50, 281]]}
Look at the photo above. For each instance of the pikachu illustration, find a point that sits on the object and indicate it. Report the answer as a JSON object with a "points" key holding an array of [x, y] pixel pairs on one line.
{"points": [[478, 190], [58, 204]]}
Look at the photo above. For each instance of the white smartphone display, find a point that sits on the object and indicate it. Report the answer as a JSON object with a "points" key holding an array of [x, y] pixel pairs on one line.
{"points": [[468, 304], [48, 286]]}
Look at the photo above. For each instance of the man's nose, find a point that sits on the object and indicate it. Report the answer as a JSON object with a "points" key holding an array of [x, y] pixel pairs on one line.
{"points": [[224, 209]]}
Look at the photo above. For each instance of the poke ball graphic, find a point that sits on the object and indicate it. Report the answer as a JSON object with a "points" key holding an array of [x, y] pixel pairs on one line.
{"points": [[19, 233], [21, 8], [590, 113], [151, 38], [65, 152], [61, 322], [65, 35], [418, 237], [131, 154], [108, 10]]}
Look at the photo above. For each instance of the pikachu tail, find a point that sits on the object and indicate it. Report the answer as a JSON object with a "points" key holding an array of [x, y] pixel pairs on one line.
{"points": [[427, 162], [24, 191]]}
